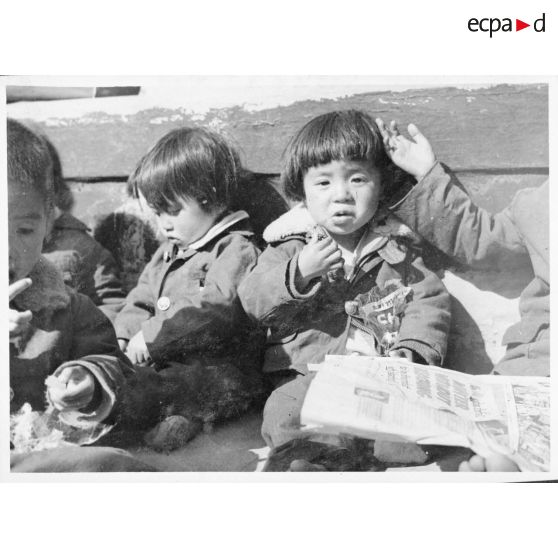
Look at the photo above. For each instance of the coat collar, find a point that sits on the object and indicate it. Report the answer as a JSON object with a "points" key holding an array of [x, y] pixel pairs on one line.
{"points": [[47, 290], [385, 235], [298, 222], [224, 224]]}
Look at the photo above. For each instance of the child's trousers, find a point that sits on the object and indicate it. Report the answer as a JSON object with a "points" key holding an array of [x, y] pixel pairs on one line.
{"points": [[281, 429], [289, 441]]}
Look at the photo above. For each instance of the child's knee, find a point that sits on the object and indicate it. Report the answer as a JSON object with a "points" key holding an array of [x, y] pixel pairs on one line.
{"points": [[281, 416]]}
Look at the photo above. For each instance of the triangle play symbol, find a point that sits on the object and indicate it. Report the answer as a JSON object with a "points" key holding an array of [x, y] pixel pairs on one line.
{"points": [[519, 25]]}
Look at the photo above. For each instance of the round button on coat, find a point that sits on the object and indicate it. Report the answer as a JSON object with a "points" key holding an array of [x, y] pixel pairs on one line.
{"points": [[163, 303]]}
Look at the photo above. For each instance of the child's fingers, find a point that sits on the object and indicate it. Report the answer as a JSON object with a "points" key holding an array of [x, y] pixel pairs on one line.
{"points": [[402, 353], [333, 256], [131, 354], [477, 464], [328, 247], [464, 467], [21, 318], [18, 287], [413, 130], [338, 264], [383, 129], [394, 130]]}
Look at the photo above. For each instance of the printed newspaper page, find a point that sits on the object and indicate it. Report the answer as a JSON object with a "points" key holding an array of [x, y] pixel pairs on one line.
{"points": [[387, 398]]}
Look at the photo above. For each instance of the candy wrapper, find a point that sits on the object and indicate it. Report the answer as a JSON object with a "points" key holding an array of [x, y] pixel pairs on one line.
{"points": [[381, 311], [41, 430]]}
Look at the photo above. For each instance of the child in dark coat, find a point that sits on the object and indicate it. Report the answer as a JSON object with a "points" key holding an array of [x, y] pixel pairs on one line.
{"points": [[339, 277], [67, 373], [184, 316], [84, 264]]}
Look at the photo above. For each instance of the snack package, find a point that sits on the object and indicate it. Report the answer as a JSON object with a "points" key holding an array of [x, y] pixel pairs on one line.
{"points": [[380, 310]]}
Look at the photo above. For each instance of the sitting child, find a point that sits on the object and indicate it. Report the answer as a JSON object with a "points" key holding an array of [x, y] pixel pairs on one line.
{"points": [[329, 283], [184, 316], [58, 338], [439, 209], [85, 265]]}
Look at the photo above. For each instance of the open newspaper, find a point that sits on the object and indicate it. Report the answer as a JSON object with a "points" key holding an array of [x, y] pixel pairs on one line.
{"points": [[393, 399]]}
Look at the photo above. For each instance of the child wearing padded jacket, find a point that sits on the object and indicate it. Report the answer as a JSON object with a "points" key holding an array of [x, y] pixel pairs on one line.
{"points": [[339, 277], [184, 317], [69, 380], [85, 265]]}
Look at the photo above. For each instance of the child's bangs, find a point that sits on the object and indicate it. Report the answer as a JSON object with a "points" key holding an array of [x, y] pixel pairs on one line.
{"points": [[341, 136], [161, 187]]}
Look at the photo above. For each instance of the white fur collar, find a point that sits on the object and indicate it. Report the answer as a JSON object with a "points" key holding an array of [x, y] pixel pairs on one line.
{"points": [[47, 290], [298, 221]]}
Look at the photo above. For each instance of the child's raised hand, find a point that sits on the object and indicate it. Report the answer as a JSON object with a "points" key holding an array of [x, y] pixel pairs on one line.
{"points": [[414, 155], [73, 388], [317, 258], [18, 321], [492, 463], [137, 351]]}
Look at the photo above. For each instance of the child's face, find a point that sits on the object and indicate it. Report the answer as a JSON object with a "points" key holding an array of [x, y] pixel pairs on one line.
{"points": [[186, 223], [27, 222], [343, 196]]}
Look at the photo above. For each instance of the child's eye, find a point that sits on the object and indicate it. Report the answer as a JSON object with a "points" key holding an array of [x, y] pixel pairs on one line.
{"points": [[359, 179], [322, 183], [25, 230]]}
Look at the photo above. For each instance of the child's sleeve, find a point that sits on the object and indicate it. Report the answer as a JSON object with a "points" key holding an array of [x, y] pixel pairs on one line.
{"points": [[440, 210], [270, 287], [94, 346], [426, 320], [210, 316], [139, 306]]}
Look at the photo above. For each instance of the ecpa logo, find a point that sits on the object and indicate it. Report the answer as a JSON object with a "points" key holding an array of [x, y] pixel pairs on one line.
{"points": [[494, 24]]}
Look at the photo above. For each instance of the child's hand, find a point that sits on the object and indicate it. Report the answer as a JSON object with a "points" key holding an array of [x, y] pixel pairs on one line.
{"points": [[137, 350], [123, 344], [317, 258], [494, 462], [73, 388], [414, 156], [402, 353], [18, 321]]}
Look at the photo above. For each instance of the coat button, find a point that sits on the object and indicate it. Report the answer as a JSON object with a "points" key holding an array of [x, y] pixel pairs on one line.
{"points": [[163, 303]]}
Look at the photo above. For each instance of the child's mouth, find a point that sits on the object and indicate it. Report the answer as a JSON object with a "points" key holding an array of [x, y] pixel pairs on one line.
{"points": [[340, 217]]}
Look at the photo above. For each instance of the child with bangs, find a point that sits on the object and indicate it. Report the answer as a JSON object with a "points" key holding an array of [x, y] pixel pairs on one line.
{"points": [[340, 276], [184, 317]]}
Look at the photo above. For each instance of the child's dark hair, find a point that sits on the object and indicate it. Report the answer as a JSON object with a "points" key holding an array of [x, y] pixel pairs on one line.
{"points": [[340, 135], [191, 163], [30, 162], [63, 196]]}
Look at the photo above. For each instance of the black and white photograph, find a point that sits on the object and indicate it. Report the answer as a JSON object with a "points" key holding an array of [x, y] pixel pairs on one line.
{"points": [[279, 274]]}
